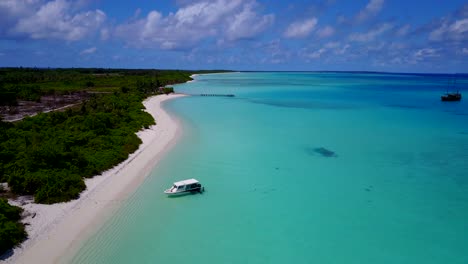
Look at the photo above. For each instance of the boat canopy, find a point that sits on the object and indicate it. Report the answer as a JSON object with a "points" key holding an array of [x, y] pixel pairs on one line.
{"points": [[185, 182]]}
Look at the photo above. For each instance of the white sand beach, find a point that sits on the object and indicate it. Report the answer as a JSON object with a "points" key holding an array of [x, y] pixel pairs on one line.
{"points": [[57, 231]]}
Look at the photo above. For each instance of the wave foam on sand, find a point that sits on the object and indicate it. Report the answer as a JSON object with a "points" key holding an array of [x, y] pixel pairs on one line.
{"points": [[56, 231]]}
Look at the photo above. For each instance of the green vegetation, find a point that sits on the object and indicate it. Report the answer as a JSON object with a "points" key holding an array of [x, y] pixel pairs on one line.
{"points": [[168, 90], [32, 83], [48, 155], [11, 231]]}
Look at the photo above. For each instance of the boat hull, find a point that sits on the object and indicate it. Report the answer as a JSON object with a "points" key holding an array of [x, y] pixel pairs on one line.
{"points": [[181, 193], [451, 98]]}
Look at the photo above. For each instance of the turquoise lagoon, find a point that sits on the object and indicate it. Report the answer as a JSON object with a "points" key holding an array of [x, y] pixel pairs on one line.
{"points": [[304, 168]]}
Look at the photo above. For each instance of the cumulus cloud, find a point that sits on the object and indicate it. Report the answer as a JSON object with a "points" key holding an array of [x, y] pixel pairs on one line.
{"points": [[370, 35], [248, 24], [342, 50], [274, 52], [205, 13], [300, 29], [331, 45], [328, 50], [105, 33], [12, 10], [336, 47], [88, 51], [18, 7], [371, 10], [422, 54], [224, 19], [316, 54], [325, 32], [403, 31], [39, 19], [457, 30]]}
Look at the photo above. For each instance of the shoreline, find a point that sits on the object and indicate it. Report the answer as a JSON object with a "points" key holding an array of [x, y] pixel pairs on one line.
{"points": [[56, 232]]}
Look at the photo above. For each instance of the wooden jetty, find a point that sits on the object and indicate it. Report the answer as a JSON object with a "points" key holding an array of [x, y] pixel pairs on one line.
{"points": [[218, 95]]}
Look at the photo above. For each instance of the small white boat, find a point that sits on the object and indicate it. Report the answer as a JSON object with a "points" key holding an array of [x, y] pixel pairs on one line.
{"points": [[184, 187]]}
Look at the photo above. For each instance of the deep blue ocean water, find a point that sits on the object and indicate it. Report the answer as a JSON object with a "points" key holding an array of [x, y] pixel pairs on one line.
{"points": [[304, 168]]}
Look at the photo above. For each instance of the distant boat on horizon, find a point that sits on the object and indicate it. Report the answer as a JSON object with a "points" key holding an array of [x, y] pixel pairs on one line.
{"points": [[451, 97]]}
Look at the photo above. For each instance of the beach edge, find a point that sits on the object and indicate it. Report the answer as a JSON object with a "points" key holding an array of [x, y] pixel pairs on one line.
{"points": [[57, 231]]}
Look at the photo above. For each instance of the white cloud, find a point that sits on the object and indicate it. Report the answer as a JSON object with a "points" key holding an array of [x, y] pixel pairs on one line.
{"points": [[326, 32], [465, 51], [371, 35], [137, 13], [56, 20], [371, 10], [342, 50], [88, 51], [396, 60], [460, 26], [316, 54], [329, 48], [341, 19], [223, 19], [248, 24], [398, 46], [105, 33], [300, 29], [422, 54], [274, 52], [205, 13], [439, 33], [332, 45], [403, 31], [458, 30], [12, 10], [18, 7]]}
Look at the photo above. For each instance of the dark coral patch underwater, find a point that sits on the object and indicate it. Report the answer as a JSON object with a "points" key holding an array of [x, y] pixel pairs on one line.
{"points": [[321, 151]]}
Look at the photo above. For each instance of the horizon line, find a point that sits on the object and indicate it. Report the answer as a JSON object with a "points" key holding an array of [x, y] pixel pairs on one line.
{"points": [[231, 70]]}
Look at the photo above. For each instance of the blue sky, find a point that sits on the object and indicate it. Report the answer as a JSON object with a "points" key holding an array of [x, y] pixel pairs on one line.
{"points": [[360, 35]]}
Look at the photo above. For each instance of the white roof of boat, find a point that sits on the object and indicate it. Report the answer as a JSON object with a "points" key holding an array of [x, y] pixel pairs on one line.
{"points": [[185, 182]]}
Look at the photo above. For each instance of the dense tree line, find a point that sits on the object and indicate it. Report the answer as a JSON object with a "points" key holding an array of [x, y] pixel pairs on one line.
{"points": [[11, 231], [49, 155], [31, 83]]}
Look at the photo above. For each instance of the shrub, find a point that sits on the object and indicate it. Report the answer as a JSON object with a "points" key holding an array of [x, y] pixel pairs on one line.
{"points": [[58, 186], [11, 231], [168, 90]]}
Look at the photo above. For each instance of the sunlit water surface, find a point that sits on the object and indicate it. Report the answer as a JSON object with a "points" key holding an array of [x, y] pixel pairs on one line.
{"points": [[304, 168]]}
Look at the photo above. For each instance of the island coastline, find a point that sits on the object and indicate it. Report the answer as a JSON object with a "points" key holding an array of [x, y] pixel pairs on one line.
{"points": [[57, 231]]}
